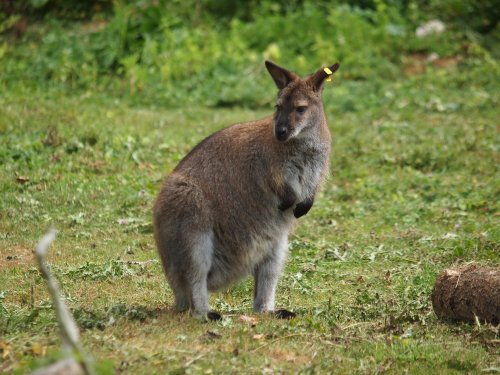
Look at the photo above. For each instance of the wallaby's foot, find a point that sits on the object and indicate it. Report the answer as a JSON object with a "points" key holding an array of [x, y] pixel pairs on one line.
{"points": [[180, 308], [210, 316], [213, 316], [284, 314]]}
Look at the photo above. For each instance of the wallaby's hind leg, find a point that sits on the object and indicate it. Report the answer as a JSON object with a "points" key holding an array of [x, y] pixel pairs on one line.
{"points": [[172, 267], [199, 292], [185, 243], [182, 299], [186, 259], [201, 255], [266, 276]]}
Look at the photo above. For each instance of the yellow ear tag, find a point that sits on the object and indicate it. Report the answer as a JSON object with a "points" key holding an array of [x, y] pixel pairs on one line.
{"points": [[329, 72]]}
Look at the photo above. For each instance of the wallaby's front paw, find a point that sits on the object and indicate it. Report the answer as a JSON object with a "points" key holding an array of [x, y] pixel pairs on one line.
{"points": [[213, 316], [283, 206], [303, 207], [287, 198], [284, 314]]}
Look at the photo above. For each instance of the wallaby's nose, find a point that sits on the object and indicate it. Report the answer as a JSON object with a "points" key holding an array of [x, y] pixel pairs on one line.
{"points": [[281, 133]]}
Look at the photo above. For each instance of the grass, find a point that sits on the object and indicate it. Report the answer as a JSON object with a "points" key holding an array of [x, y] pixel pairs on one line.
{"points": [[414, 189]]}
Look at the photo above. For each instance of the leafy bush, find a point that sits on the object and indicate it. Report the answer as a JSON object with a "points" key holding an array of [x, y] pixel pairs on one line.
{"points": [[212, 52]]}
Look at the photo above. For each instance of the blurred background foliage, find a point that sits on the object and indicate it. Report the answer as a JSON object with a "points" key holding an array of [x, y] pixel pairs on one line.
{"points": [[211, 51]]}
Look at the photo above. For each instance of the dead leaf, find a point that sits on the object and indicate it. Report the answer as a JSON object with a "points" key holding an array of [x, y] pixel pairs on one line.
{"points": [[213, 335], [387, 276], [52, 139], [5, 350], [38, 349], [258, 336], [145, 166], [96, 165], [248, 319], [54, 158], [22, 179]]}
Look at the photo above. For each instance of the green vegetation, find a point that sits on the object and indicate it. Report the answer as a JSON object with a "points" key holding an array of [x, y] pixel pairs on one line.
{"points": [[98, 103]]}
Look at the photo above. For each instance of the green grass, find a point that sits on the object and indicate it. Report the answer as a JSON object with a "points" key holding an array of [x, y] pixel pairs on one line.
{"points": [[414, 189]]}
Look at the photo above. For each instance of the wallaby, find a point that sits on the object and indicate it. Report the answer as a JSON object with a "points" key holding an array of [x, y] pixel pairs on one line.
{"points": [[226, 210]]}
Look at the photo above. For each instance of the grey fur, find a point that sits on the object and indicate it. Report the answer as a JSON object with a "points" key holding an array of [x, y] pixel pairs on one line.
{"points": [[217, 217]]}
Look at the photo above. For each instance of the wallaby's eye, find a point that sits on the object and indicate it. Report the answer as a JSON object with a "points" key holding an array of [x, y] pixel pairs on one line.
{"points": [[301, 109]]}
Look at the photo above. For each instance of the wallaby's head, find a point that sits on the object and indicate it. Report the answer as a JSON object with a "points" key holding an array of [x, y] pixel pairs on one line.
{"points": [[299, 108]]}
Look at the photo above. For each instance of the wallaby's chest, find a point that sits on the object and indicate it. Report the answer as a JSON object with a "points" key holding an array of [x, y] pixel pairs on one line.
{"points": [[303, 172]]}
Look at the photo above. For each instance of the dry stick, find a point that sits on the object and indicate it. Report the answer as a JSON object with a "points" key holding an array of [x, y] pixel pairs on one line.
{"points": [[69, 330], [144, 263], [192, 360]]}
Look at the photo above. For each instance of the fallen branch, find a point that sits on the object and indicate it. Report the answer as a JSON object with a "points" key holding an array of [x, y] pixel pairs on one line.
{"points": [[69, 331]]}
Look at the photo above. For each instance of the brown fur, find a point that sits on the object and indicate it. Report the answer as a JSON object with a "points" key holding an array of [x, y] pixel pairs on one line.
{"points": [[227, 208]]}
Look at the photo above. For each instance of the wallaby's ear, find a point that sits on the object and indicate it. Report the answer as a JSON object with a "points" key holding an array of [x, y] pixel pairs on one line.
{"points": [[318, 78], [281, 76]]}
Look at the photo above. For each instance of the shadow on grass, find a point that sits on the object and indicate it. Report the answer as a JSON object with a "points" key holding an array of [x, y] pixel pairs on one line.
{"points": [[88, 319]]}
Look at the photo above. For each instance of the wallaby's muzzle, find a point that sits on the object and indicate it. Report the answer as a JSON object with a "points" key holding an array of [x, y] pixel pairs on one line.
{"points": [[281, 133]]}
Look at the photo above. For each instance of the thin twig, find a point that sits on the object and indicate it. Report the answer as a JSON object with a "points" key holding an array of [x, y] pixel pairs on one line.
{"points": [[142, 264], [192, 360], [456, 285], [69, 330]]}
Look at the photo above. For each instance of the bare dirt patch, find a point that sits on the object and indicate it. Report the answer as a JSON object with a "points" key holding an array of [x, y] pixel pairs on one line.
{"points": [[16, 257]]}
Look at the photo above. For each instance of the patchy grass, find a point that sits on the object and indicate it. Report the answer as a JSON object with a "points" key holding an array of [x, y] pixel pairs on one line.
{"points": [[414, 188]]}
